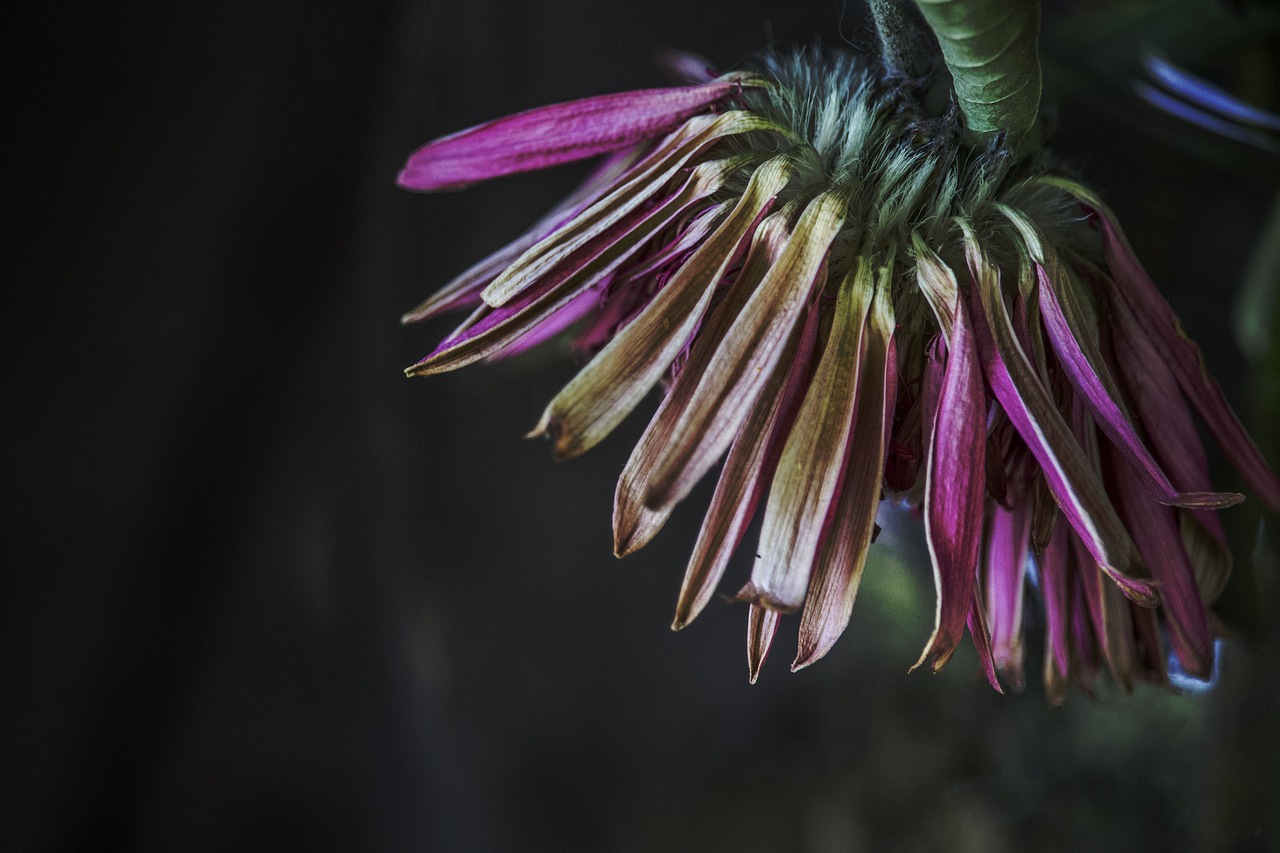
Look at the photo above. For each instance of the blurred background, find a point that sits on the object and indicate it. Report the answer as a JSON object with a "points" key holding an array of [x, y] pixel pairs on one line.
{"points": [[260, 592]]}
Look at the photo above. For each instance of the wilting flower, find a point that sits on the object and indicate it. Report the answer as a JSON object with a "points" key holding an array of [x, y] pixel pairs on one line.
{"points": [[846, 304]]}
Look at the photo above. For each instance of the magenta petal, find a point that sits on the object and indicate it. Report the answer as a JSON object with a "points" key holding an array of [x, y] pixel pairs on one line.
{"points": [[934, 371], [572, 312], [464, 290], [1006, 573], [1084, 366], [1155, 531], [547, 136], [747, 471], [1053, 564], [982, 643], [1174, 438], [684, 67], [1069, 473], [1133, 285], [955, 490]]}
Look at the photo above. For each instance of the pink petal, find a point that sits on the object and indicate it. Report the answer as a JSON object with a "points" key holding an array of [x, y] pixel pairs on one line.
{"points": [[1084, 365], [751, 350], [762, 625], [1133, 285], [1006, 573], [684, 67], [1176, 442], [649, 179], [464, 290], [585, 268], [613, 383], [1155, 531], [561, 133], [573, 311], [1054, 575], [977, 625], [634, 520], [747, 471], [1031, 409], [810, 473], [955, 490], [1110, 617], [842, 554]]}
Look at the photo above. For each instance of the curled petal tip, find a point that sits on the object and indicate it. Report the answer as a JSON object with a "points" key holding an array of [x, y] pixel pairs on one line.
{"points": [[752, 594], [936, 659], [1207, 500], [1141, 592]]}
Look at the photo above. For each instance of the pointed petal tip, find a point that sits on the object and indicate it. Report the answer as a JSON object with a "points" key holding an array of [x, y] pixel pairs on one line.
{"points": [[752, 594], [542, 430], [684, 616], [626, 544], [807, 656]]}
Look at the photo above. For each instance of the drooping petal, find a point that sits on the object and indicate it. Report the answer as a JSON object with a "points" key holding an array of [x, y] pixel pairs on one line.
{"points": [[1006, 569], [1149, 648], [1084, 642], [955, 489], [1110, 618], [842, 554], [561, 133], [1075, 344], [908, 435], [647, 180], [1053, 563], [809, 475], [673, 255], [751, 349], [464, 290], [1155, 531], [747, 471], [588, 266], [762, 625], [977, 625], [573, 311], [1017, 386], [634, 521], [614, 382], [1133, 285], [937, 282], [1175, 440]]}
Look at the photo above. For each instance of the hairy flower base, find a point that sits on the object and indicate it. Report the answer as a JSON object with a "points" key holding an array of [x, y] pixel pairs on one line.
{"points": [[845, 303]]}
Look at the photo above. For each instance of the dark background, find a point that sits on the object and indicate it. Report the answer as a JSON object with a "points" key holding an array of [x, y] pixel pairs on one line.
{"points": [[260, 592]]}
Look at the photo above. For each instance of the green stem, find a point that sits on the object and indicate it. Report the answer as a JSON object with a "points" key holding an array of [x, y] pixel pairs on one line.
{"points": [[903, 43], [991, 48]]}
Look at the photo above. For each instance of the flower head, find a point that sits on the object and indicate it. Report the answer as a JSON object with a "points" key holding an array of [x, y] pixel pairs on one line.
{"points": [[846, 303]]}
